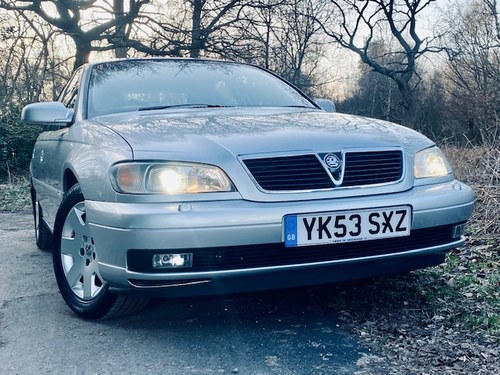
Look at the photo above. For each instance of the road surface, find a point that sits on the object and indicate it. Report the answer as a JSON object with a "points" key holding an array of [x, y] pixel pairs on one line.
{"points": [[281, 332]]}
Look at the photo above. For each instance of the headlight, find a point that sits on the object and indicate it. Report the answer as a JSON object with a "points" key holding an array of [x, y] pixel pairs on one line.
{"points": [[431, 163], [169, 178]]}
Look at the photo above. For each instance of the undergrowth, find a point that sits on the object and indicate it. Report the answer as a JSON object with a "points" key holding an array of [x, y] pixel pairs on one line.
{"points": [[15, 197]]}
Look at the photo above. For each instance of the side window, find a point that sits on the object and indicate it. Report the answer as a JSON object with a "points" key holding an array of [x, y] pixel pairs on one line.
{"points": [[70, 93]]}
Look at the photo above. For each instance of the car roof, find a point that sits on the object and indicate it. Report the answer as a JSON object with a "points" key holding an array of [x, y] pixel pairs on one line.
{"points": [[168, 58]]}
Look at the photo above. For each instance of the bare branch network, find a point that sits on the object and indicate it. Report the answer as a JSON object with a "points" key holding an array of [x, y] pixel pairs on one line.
{"points": [[295, 38]]}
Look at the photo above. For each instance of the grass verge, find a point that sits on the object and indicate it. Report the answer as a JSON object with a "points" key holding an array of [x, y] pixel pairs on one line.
{"points": [[15, 197], [444, 319], [472, 274]]}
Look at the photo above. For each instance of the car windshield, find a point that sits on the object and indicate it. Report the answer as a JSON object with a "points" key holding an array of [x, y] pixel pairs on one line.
{"points": [[133, 85]]}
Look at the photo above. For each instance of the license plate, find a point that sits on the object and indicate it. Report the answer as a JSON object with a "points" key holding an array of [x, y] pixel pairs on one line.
{"points": [[346, 226]]}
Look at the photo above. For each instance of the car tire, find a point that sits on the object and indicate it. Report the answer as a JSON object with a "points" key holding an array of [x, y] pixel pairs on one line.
{"points": [[76, 267], [43, 235]]}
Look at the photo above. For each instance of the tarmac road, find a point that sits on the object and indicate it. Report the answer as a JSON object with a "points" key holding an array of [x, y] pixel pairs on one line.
{"points": [[281, 332]]}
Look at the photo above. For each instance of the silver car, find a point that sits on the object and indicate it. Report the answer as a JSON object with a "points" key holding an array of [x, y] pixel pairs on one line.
{"points": [[166, 177]]}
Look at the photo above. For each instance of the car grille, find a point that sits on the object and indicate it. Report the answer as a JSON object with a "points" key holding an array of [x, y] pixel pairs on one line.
{"points": [[268, 255], [302, 172], [368, 168], [306, 172]]}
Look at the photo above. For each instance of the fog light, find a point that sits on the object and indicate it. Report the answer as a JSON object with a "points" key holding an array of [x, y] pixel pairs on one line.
{"points": [[458, 231], [173, 260]]}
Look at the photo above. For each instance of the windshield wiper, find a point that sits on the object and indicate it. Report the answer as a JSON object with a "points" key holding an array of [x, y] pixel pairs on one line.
{"points": [[298, 106], [152, 108]]}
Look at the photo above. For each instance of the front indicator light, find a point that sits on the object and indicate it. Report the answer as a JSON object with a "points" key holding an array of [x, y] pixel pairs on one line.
{"points": [[129, 178], [169, 261]]}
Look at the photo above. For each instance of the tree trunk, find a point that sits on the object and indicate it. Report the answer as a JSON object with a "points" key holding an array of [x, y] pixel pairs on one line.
{"points": [[406, 94], [118, 7], [197, 43], [267, 46], [82, 54]]}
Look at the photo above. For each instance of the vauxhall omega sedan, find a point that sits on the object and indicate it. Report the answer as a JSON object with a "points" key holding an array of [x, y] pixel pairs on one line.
{"points": [[170, 177]]}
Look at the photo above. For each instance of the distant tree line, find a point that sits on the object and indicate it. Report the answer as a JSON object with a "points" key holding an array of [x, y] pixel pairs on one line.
{"points": [[427, 64]]}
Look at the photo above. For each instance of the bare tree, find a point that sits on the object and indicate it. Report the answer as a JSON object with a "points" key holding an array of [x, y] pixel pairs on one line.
{"points": [[473, 74], [193, 28], [210, 18], [492, 6], [299, 47], [283, 36], [29, 71], [375, 95], [356, 25], [78, 19]]}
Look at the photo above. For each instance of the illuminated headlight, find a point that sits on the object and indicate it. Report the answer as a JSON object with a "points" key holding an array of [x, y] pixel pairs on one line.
{"points": [[431, 163], [169, 178]]}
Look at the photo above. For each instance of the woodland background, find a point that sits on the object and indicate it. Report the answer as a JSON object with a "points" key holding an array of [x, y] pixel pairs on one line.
{"points": [[432, 65]]}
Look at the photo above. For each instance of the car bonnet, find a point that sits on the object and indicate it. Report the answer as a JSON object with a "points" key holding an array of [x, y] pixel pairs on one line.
{"points": [[197, 134]]}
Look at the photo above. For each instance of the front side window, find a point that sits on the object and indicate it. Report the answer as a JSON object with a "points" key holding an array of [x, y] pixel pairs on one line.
{"points": [[70, 92], [133, 85]]}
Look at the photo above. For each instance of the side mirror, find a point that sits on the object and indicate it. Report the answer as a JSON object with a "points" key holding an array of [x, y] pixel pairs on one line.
{"points": [[47, 113], [325, 104]]}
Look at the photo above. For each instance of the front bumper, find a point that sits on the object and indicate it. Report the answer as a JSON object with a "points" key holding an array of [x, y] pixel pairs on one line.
{"points": [[120, 227]]}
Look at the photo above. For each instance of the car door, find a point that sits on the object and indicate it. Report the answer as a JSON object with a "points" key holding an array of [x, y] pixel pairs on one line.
{"points": [[48, 156]]}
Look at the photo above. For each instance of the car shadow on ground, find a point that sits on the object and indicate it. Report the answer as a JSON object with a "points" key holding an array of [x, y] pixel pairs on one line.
{"points": [[282, 330]]}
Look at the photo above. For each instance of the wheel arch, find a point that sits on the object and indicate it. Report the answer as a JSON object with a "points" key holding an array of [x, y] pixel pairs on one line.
{"points": [[104, 304], [69, 180]]}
